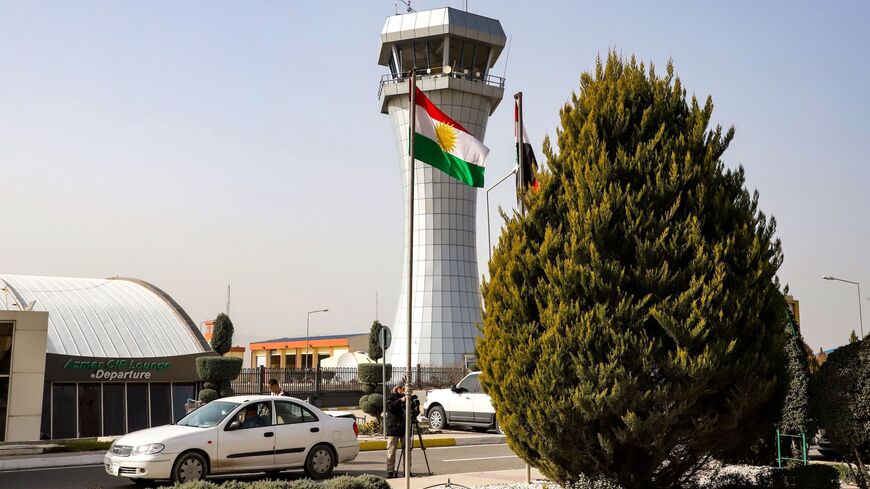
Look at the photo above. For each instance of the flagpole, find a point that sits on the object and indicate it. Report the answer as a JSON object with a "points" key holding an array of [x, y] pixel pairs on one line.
{"points": [[520, 142], [412, 90], [520, 150]]}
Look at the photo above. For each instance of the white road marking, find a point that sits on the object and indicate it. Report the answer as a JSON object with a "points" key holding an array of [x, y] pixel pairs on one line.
{"points": [[479, 458]]}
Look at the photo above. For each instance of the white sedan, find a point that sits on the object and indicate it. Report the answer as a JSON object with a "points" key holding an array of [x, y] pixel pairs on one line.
{"points": [[237, 434]]}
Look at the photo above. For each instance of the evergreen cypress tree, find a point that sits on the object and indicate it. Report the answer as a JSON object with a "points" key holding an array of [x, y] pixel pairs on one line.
{"points": [[853, 338], [795, 413], [840, 400], [634, 321]]}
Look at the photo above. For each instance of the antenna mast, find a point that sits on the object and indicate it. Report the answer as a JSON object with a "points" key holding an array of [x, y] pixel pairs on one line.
{"points": [[228, 299], [408, 4]]}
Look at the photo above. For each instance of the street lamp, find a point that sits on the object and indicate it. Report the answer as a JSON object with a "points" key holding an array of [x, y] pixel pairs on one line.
{"points": [[308, 339], [860, 314]]}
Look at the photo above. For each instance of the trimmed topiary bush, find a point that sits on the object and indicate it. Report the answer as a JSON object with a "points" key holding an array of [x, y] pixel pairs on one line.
{"points": [[222, 334], [208, 395], [372, 373], [372, 404], [217, 369], [634, 322]]}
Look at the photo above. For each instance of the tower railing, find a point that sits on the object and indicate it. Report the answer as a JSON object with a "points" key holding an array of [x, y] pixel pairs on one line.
{"points": [[488, 79]]}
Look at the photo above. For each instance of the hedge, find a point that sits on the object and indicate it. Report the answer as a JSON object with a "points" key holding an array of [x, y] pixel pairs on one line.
{"points": [[218, 368], [367, 481]]}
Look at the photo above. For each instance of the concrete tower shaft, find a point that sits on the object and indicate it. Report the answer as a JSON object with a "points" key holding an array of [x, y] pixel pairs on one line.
{"points": [[452, 51]]}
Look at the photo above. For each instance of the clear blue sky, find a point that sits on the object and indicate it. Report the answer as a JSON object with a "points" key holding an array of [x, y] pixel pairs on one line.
{"points": [[193, 144]]}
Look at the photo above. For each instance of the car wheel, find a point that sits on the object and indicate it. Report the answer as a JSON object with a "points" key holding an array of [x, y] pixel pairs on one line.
{"points": [[320, 462], [498, 428], [189, 467], [437, 418]]}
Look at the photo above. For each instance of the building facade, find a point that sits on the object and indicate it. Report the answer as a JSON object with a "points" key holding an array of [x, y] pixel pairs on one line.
{"points": [[452, 52], [93, 357], [302, 352]]}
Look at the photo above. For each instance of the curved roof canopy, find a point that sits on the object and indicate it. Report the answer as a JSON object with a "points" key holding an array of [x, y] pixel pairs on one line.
{"points": [[116, 317]]}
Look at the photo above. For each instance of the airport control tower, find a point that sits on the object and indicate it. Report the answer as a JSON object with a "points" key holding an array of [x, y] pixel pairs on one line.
{"points": [[452, 52]]}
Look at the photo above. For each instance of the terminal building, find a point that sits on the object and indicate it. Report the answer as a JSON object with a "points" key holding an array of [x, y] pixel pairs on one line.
{"points": [[84, 358]]}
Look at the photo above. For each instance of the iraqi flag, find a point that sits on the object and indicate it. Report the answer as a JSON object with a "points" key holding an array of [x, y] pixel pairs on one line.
{"points": [[530, 164], [445, 144]]}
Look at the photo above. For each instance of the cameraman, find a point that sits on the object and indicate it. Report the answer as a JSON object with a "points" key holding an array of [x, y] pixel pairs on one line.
{"points": [[394, 425]]}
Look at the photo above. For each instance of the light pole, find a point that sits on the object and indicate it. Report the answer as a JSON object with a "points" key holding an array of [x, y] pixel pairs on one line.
{"points": [[307, 340], [860, 314]]}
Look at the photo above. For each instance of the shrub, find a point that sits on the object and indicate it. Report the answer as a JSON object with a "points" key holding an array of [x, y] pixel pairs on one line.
{"points": [[193, 485], [208, 395], [217, 369], [813, 476], [373, 427], [372, 404], [347, 482], [840, 398], [372, 373], [633, 315], [222, 334], [344, 482], [375, 351]]}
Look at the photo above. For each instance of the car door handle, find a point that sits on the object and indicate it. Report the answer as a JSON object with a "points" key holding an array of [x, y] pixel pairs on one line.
{"points": [[269, 434], [315, 430]]}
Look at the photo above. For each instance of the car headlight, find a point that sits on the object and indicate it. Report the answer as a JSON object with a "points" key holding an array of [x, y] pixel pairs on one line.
{"points": [[148, 449]]}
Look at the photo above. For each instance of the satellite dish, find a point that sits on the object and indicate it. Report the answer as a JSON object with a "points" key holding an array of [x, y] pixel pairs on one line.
{"points": [[448, 70]]}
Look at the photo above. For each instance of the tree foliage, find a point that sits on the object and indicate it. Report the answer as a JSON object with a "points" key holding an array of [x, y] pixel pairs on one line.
{"points": [[840, 398], [795, 412], [375, 352], [634, 321], [222, 334]]}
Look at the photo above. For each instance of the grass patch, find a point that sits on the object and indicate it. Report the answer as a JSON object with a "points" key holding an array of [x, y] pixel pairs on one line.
{"points": [[85, 445]]}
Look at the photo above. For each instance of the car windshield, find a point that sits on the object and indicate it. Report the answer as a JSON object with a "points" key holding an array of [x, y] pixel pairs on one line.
{"points": [[209, 415]]}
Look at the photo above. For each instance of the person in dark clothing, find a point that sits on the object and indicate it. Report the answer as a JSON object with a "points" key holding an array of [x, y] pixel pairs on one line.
{"points": [[394, 425]]}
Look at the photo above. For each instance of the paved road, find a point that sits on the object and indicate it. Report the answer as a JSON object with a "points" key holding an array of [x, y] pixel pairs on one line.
{"points": [[443, 461]]}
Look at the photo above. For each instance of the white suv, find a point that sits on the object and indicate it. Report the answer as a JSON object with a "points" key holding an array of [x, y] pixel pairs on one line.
{"points": [[463, 404]]}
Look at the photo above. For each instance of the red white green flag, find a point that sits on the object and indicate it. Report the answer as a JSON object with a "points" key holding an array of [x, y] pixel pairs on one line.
{"points": [[445, 144]]}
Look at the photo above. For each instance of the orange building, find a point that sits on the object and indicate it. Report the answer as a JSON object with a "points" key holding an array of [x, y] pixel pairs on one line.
{"points": [[294, 353]]}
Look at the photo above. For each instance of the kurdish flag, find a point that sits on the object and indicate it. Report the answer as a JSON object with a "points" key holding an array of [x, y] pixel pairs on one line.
{"points": [[445, 144]]}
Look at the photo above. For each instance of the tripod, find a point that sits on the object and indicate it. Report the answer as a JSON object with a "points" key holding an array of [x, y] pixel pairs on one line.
{"points": [[415, 428]]}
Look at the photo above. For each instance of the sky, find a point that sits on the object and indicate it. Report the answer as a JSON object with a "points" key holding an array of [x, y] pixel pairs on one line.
{"points": [[204, 143]]}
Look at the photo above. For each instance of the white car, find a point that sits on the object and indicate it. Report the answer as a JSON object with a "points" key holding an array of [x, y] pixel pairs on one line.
{"points": [[237, 434], [463, 404]]}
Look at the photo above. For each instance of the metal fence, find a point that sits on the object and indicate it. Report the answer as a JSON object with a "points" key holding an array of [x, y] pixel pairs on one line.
{"points": [[325, 381]]}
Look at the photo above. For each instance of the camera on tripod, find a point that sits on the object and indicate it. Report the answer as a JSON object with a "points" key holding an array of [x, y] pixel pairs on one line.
{"points": [[415, 404]]}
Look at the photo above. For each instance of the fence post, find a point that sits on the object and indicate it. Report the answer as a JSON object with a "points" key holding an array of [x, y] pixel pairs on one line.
{"points": [[317, 381], [261, 371], [778, 450], [419, 379]]}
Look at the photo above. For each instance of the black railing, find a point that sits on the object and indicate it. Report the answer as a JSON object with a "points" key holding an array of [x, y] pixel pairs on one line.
{"points": [[488, 79], [324, 381]]}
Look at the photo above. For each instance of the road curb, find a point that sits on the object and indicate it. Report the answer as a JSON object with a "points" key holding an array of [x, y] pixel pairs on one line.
{"points": [[372, 445], [52, 462]]}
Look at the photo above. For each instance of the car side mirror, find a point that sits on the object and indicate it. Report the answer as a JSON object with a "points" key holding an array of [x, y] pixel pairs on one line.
{"points": [[234, 425]]}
